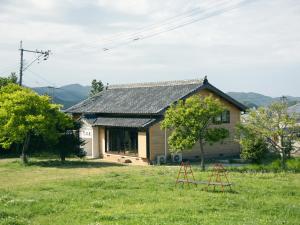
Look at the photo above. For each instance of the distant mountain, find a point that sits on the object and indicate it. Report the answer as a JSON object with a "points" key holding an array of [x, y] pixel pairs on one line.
{"points": [[69, 95], [66, 95], [252, 99]]}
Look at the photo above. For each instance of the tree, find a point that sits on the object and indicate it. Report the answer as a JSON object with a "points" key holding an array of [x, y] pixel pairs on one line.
{"points": [[69, 143], [23, 114], [192, 121], [12, 79], [274, 125], [253, 148], [97, 86]]}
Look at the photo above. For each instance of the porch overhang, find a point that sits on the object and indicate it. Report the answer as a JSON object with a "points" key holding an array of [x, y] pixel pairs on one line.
{"points": [[120, 122]]}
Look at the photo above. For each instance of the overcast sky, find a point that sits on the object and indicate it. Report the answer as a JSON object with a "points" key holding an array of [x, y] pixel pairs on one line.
{"points": [[251, 47]]}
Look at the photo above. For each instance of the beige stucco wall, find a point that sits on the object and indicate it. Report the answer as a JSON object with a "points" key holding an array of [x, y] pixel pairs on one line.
{"points": [[142, 144], [95, 145], [101, 141], [227, 148]]}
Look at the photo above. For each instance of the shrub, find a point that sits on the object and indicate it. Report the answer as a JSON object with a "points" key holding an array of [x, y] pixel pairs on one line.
{"points": [[254, 150], [294, 164]]}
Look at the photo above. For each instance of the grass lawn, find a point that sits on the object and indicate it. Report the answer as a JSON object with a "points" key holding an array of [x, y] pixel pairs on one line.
{"points": [[97, 192]]}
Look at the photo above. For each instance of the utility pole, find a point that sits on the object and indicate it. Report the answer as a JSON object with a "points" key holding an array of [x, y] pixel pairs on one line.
{"points": [[44, 54], [21, 64]]}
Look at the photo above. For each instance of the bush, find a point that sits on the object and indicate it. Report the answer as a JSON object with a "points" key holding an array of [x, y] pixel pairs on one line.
{"points": [[294, 164], [254, 150], [70, 144]]}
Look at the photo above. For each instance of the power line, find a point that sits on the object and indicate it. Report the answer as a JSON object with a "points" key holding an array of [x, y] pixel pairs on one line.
{"points": [[42, 78], [169, 25], [177, 26], [8, 68], [44, 54], [53, 85], [173, 19], [34, 60], [129, 37], [219, 12], [159, 25]]}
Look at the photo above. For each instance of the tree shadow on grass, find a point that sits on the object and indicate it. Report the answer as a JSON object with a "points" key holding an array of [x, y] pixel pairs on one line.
{"points": [[73, 164]]}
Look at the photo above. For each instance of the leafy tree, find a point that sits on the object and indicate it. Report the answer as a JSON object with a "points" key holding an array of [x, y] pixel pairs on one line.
{"points": [[97, 86], [23, 114], [69, 143], [274, 125], [12, 79], [253, 148], [192, 121]]}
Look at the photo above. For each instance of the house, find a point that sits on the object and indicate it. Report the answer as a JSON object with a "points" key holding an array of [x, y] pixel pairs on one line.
{"points": [[122, 123]]}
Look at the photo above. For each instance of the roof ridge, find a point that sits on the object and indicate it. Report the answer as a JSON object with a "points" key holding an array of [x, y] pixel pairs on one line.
{"points": [[156, 84]]}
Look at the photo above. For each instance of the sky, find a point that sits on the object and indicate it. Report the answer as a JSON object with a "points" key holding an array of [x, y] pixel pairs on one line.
{"points": [[249, 46]]}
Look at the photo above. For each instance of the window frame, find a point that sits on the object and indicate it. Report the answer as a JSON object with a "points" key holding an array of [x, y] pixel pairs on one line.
{"points": [[223, 118]]}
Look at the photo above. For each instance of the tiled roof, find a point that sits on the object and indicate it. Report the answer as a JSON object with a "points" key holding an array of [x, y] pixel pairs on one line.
{"points": [[144, 98], [120, 122]]}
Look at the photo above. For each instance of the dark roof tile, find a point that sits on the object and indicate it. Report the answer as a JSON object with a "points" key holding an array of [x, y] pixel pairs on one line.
{"points": [[144, 98], [120, 122]]}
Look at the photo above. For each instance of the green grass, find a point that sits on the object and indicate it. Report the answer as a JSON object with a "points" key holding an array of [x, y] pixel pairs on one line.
{"points": [[292, 165], [95, 192]]}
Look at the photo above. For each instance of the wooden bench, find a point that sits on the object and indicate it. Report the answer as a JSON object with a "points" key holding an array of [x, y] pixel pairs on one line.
{"points": [[204, 182]]}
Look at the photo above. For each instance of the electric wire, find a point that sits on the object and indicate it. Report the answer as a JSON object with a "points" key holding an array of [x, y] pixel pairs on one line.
{"points": [[151, 33], [132, 36], [49, 83], [167, 21]]}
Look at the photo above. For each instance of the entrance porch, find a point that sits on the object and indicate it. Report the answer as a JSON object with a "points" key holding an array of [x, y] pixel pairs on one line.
{"points": [[125, 144]]}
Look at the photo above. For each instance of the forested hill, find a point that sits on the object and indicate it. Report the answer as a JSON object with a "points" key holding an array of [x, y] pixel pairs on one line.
{"points": [[252, 99], [66, 95]]}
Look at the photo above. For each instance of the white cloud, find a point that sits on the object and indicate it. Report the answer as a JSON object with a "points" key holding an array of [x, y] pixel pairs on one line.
{"points": [[262, 34], [126, 6], [48, 5]]}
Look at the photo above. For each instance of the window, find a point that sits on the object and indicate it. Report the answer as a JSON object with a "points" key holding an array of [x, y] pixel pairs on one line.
{"points": [[224, 117], [122, 141]]}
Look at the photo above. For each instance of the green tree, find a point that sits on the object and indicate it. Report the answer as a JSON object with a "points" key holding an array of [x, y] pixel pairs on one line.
{"points": [[23, 113], [253, 148], [69, 143], [12, 79], [274, 125], [97, 86], [192, 121]]}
